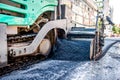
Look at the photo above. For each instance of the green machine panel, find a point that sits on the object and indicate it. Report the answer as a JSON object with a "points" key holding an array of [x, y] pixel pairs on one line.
{"points": [[27, 11]]}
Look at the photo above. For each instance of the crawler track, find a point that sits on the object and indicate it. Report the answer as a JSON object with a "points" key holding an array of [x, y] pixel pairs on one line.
{"points": [[20, 63]]}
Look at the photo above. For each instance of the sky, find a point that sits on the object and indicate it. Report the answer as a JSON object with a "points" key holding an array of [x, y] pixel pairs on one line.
{"points": [[116, 10]]}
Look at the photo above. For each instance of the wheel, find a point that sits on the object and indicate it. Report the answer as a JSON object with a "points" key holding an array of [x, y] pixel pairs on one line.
{"points": [[46, 47]]}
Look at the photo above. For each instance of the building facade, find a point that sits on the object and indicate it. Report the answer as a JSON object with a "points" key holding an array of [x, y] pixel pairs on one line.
{"points": [[83, 11]]}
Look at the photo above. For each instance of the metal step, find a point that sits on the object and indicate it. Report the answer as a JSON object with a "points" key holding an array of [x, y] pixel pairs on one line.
{"points": [[82, 29], [81, 32]]}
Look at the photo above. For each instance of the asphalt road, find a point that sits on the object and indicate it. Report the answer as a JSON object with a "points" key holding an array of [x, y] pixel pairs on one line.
{"points": [[71, 62]]}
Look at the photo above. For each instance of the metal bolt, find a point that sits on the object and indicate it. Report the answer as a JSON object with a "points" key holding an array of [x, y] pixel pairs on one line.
{"points": [[24, 50]]}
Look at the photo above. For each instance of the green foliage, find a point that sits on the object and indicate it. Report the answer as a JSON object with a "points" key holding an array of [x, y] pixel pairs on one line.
{"points": [[99, 23], [116, 29]]}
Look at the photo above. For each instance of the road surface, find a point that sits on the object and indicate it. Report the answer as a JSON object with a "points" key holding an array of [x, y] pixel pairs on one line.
{"points": [[71, 62]]}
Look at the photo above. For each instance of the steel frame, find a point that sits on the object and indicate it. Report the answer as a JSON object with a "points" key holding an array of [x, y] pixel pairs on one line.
{"points": [[27, 50], [3, 45]]}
